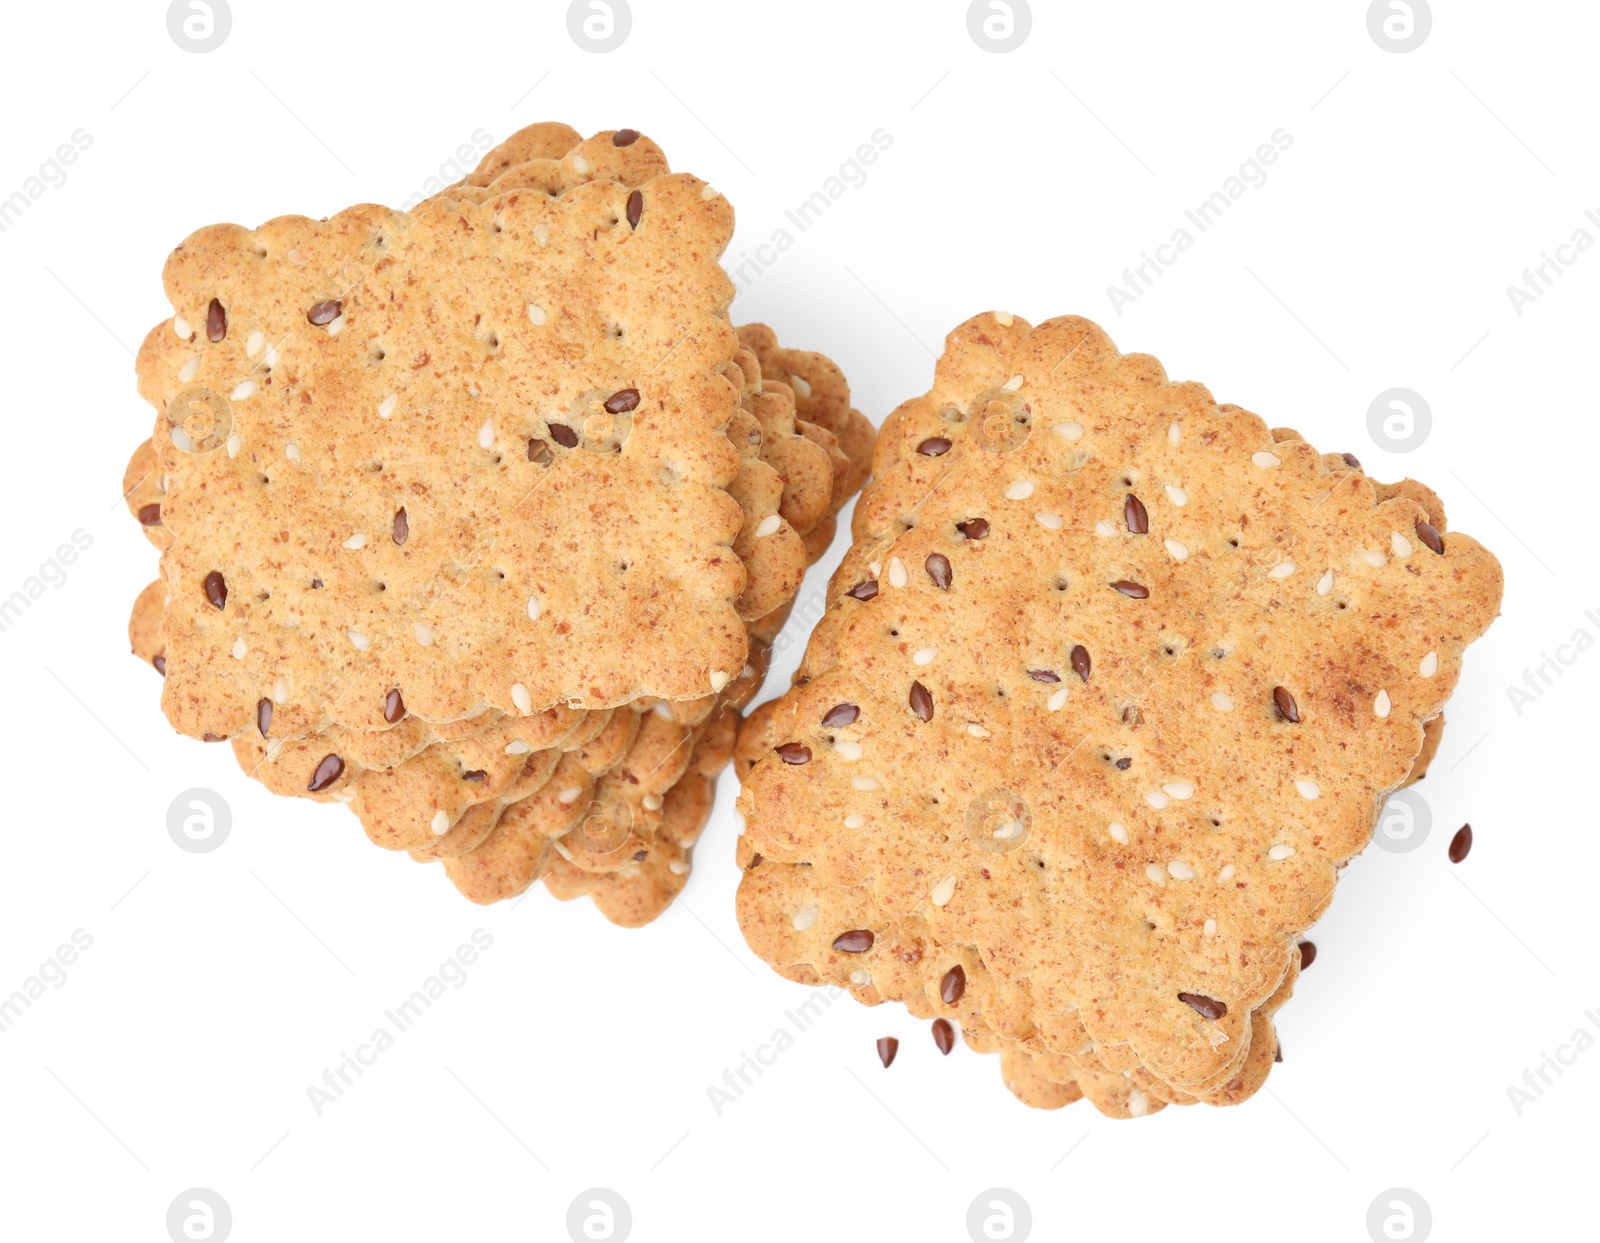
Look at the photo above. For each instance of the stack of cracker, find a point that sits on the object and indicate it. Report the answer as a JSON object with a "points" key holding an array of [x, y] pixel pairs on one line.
{"points": [[1113, 682], [481, 518]]}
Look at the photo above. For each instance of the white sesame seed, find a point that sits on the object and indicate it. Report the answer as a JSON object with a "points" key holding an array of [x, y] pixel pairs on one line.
{"points": [[536, 313], [1104, 529], [1021, 490], [1118, 831], [1381, 704], [423, 634], [978, 731], [1179, 870], [1138, 1103], [848, 750], [1280, 852], [805, 916], [517, 747], [521, 698], [1429, 665], [898, 575], [358, 640], [239, 649], [1325, 583], [274, 747], [562, 851], [1050, 522], [677, 867], [1070, 430], [188, 370], [296, 258], [876, 567], [719, 679], [336, 325], [580, 165], [357, 540], [440, 824], [768, 526], [1156, 799], [1004, 318], [252, 347], [1227, 872], [1175, 550], [541, 234], [1057, 700], [569, 795], [801, 386], [181, 327], [1282, 570], [924, 655], [234, 444], [866, 784], [1210, 928], [1179, 790], [280, 691], [861, 977], [1174, 434], [533, 608], [1399, 544], [271, 359], [709, 192], [1155, 874], [291, 451], [1266, 461], [652, 802], [663, 710], [181, 439], [1222, 701], [1009, 830], [486, 434], [387, 405], [943, 891], [1011, 385], [1374, 558], [1308, 789], [1177, 495], [854, 820]]}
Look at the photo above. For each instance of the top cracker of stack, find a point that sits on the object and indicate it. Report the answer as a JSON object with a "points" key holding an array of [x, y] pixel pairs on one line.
{"points": [[1113, 682]]}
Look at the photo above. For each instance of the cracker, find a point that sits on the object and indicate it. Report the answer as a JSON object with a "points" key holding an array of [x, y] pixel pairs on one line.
{"points": [[1076, 938]]}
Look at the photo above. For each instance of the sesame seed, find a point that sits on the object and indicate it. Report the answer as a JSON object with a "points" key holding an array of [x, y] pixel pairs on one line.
{"points": [[189, 369], [805, 917], [533, 608], [1282, 570], [1155, 874], [1138, 1103], [1050, 522], [848, 750], [1374, 558], [252, 347], [274, 748], [677, 867], [1103, 528], [978, 731], [569, 795], [580, 165], [1266, 461], [234, 445], [1011, 385], [1174, 434], [541, 234], [1176, 494], [387, 405], [1179, 870], [1009, 830], [296, 258], [866, 784], [1227, 872], [517, 747], [1004, 318], [1280, 852], [1429, 665], [1175, 550], [719, 679], [924, 655], [292, 451], [1399, 544], [440, 823], [1381, 704], [1057, 700], [861, 977], [358, 640], [1156, 799], [1325, 583], [1179, 790], [521, 698], [898, 574], [280, 691], [336, 326], [536, 313], [801, 386], [652, 802], [943, 891], [1222, 701], [357, 540], [181, 327], [422, 634], [876, 567], [562, 851], [271, 359], [1118, 831], [1021, 490], [709, 192], [1070, 430], [486, 435], [768, 526], [1308, 789], [239, 649], [854, 820]]}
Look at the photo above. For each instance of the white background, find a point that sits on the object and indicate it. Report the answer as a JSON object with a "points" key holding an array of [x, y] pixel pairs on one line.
{"points": [[1377, 254]]}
